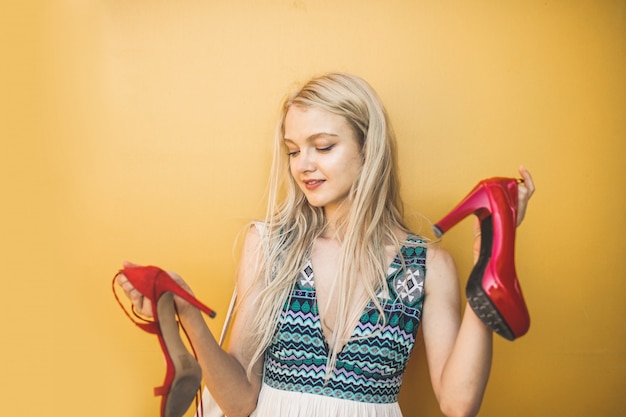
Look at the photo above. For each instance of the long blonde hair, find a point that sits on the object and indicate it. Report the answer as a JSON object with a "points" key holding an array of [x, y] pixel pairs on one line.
{"points": [[374, 215]]}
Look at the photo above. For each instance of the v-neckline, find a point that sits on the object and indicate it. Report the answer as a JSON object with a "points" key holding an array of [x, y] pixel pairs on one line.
{"points": [[318, 323]]}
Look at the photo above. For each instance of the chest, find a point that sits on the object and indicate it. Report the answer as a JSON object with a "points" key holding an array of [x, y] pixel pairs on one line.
{"points": [[401, 291], [377, 351], [325, 261]]}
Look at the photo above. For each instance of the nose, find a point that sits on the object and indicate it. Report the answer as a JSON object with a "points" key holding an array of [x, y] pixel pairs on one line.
{"points": [[303, 162]]}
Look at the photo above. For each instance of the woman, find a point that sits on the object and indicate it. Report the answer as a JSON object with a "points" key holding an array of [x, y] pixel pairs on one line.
{"points": [[332, 284]]}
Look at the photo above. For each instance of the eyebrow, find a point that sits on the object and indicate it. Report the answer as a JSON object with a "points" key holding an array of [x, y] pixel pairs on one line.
{"points": [[313, 137]]}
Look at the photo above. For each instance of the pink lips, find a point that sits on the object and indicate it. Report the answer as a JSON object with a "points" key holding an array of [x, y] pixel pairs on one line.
{"points": [[312, 184]]}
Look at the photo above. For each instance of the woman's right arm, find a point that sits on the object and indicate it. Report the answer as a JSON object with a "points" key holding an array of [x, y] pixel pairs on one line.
{"points": [[224, 372]]}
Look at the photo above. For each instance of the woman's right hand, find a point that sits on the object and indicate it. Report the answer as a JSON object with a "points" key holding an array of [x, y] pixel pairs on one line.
{"points": [[141, 304]]}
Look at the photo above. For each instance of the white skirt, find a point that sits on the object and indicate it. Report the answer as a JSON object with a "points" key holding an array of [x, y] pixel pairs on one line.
{"points": [[277, 403]]}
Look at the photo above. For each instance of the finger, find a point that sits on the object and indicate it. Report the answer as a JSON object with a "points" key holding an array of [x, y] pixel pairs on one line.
{"points": [[120, 279], [528, 184], [127, 287], [477, 229], [524, 191], [128, 264], [137, 299]]}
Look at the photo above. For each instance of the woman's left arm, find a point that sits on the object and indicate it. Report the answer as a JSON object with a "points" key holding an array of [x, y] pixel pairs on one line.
{"points": [[458, 351]]}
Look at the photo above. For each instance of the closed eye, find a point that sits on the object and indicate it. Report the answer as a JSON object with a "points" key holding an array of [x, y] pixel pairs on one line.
{"points": [[326, 149]]}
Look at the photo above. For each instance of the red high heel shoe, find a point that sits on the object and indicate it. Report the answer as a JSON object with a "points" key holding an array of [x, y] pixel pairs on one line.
{"points": [[183, 374], [492, 290]]}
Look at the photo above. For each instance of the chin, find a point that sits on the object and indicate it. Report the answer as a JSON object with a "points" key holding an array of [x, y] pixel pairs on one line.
{"points": [[314, 204]]}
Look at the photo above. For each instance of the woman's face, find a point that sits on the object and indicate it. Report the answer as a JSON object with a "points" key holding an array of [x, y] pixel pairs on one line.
{"points": [[324, 155]]}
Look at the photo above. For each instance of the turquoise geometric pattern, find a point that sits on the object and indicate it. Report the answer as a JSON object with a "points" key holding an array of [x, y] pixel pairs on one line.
{"points": [[371, 365]]}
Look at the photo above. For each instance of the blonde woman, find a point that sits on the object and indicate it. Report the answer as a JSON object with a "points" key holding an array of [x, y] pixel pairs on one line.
{"points": [[332, 285]]}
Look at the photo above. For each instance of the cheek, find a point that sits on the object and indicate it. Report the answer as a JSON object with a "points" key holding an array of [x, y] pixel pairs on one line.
{"points": [[355, 164], [293, 174], [292, 168]]}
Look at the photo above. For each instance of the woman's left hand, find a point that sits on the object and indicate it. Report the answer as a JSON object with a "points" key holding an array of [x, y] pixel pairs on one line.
{"points": [[524, 191]]}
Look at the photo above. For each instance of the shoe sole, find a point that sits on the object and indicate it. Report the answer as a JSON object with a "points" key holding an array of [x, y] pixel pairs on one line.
{"points": [[475, 294], [487, 312], [187, 372]]}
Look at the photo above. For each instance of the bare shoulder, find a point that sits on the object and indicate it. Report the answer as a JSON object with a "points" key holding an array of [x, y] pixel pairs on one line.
{"points": [[250, 257], [443, 296], [253, 233], [442, 306], [440, 267]]}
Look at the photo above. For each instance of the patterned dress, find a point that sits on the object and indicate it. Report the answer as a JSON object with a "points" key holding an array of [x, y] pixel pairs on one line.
{"points": [[368, 374]]}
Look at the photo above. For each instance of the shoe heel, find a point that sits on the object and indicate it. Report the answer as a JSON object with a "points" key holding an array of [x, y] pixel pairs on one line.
{"points": [[181, 292], [476, 200], [152, 282]]}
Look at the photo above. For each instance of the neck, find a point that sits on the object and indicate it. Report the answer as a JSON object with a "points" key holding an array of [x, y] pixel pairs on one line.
{"points": [[335, 224]]}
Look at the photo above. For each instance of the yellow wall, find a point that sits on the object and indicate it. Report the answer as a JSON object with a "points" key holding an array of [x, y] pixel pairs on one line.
{"points": [[141, 130]]}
